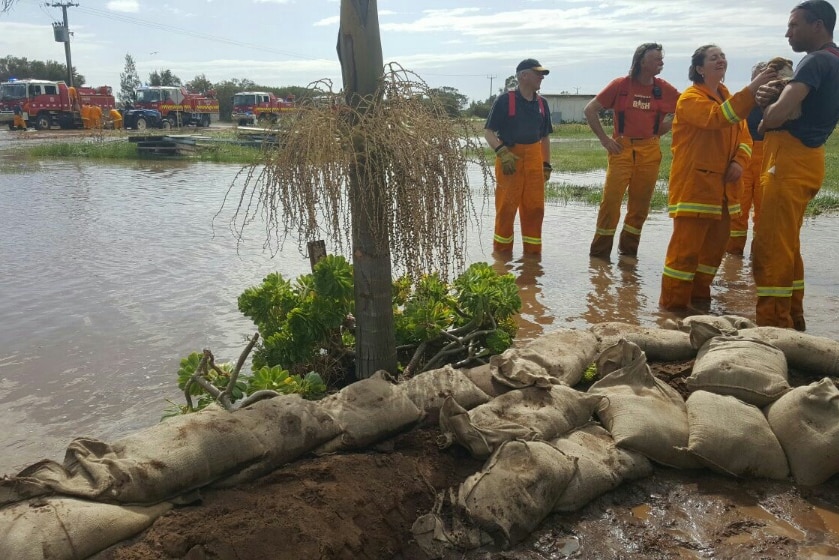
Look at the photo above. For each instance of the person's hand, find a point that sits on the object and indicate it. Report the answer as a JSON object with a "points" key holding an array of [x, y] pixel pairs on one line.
{"points": [[733, 173], [768, 93], [546, 170], [612, 146], [508, 160], [766, 76]]}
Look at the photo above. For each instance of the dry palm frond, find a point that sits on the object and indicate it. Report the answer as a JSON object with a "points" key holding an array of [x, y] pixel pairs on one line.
{"points": [[415, 160]]}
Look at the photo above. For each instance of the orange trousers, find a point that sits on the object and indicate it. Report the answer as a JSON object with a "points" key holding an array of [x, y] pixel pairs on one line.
{"points": [[751, 196], [792, 176], [523, 192], [635, 169], [696, 248]]}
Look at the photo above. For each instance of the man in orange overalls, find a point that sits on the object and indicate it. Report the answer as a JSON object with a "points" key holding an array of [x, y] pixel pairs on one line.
{"points": [[517, 128], [793, 162]]}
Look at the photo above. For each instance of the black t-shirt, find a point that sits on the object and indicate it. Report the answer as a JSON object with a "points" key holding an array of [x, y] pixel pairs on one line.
{"points": [[820, 109], [529, 125]]}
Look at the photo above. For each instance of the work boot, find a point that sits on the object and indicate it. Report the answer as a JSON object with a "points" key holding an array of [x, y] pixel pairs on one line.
{"points": [[628, 244], [799, 324], [601, 246]]}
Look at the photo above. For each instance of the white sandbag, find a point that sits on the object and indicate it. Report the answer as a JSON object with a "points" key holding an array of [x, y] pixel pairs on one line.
{"points": [[727, 324], [560, 356], [446, 528], [482, 377], [69, 529], [530, 414], [601, 466], [149, 466], [642, 413], [517, 488], [751, 370], [287, 427], [733, 438], [806, 423], [429, 389], [367, 412], [815, 356], [660, 345]]}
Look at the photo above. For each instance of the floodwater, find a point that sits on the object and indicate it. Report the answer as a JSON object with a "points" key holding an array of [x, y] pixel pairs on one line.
{"points": [[112, 272]]}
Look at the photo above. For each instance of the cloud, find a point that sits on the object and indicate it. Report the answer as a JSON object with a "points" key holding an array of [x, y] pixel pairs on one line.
{"points": [[127, 6]]}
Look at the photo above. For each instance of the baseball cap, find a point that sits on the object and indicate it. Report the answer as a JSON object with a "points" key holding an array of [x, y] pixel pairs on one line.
{"points": [[532, 64]]}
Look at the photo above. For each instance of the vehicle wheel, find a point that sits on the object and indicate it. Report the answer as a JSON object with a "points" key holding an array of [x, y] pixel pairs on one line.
{"points": [[205, 121], [173, 120], [141, 124], [42, 122]]}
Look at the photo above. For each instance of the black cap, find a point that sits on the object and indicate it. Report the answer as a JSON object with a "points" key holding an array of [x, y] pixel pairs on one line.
{"points": [[532, 64]]}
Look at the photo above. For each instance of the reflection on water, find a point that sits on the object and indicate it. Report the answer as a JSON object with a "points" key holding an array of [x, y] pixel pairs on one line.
{"points": [[112, 273]]}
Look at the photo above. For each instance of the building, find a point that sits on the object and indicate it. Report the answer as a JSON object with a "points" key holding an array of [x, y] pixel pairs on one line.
{"points": [[567, 107]]}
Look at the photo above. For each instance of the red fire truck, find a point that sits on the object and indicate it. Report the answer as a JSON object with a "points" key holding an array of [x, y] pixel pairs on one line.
{"points": [[179, 106], [262, 107], [44, 104]]}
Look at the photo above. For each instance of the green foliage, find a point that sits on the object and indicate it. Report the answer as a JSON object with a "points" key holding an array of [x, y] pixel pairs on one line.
{"points": [[220, 379], [280, 380], [20, 68], [129, 81], [164, 78]]}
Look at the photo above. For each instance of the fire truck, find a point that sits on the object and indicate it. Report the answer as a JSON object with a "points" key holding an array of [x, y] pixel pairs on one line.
{"points": [[177, 105], [44, 104], [262, 107]]}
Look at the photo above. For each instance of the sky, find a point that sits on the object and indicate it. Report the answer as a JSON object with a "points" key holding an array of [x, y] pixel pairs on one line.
{"points": [[469, 45]]}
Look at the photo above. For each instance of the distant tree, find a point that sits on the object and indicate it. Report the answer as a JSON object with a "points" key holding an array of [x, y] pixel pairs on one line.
{"points": [[480, 109], [510, 83], [164, 78], [129, 81], [14, 67], [451, 99], [6, 5], [199, 84]]}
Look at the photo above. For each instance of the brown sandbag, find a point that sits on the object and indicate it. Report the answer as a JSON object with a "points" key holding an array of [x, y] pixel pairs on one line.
{"points": [[733, 438], [429, 389], [531, 413], [482, 377], [815, 356], [806, 423], [367, 412], [727, 324], [660, 345], [601, 466], [561, 356], [517, 488], [642, 413], [751, 370], [68, 528]]}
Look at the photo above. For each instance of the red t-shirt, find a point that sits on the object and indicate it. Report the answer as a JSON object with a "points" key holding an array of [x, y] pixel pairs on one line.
{"points": [[640, 108]]}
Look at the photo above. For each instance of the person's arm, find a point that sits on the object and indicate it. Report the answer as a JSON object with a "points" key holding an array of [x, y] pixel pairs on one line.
{"points": [[787, 105], [492, 139], [592, 113], [666, 124]]}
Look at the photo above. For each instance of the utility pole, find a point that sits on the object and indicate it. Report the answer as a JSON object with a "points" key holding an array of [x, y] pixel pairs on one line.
{"points": [[490, 78], [62, 35]]}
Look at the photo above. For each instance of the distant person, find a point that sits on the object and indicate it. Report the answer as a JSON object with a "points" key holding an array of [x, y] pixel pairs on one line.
{"points": [[640, 102], [711, 148], [517, 128], [794, 162], [750, 195]]}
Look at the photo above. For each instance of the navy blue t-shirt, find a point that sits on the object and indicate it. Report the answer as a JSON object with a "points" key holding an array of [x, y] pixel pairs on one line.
{"points": [[529, 124], [820, 109]]}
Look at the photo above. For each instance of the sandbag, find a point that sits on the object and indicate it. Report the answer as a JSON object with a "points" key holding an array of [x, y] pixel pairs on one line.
{"points": [[368, 411], [429, 389], [517, 488], [287, 427], [68, 528], [482, 377], [149, 466], [557, 357], [660, 345], [733, 438], [726, 324], [751, 370], [601, 466], [530, 414], [642, 413], [815, 356], [806, 423]]}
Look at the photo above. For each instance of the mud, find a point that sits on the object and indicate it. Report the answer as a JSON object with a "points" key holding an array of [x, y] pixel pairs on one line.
{"points": [[363, 505]]}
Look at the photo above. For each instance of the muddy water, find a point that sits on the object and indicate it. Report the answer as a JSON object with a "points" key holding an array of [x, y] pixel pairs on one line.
{"points": [[113, 272]]}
